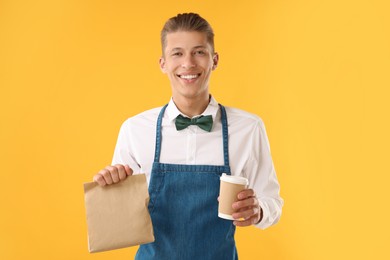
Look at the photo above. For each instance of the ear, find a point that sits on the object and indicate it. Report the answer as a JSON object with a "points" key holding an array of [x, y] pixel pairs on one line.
{"points": [[162, 65], [215, 61]]}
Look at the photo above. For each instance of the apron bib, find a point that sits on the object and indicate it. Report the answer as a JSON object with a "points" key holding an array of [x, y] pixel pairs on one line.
{"points": [[184, 209]]}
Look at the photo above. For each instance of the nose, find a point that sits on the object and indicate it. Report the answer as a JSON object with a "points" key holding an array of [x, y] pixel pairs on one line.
{"points": [[188, 62]]}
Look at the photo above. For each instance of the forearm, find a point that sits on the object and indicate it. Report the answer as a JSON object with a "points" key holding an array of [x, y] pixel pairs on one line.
{"points": [[271, 211]]}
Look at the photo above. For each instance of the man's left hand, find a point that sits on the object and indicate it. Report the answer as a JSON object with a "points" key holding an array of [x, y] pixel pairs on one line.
{"points": [[247, 209]]}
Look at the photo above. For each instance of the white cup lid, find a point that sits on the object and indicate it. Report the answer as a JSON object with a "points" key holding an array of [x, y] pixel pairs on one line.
{"points": [[234, 179]]}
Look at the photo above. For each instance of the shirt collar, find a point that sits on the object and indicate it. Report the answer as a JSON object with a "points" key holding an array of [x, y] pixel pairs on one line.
{"points": [[212, 109]]}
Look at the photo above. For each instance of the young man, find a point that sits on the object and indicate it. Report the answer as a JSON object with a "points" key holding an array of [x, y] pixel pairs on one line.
{"points": [[184, 147]]}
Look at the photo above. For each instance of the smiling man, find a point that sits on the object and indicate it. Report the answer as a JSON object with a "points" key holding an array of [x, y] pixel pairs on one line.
{"points": [[185, 146], [188, 60]]}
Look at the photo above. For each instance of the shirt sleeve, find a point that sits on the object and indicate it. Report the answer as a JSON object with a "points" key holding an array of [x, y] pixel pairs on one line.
{"points": [[262, 178], [123, 153]]}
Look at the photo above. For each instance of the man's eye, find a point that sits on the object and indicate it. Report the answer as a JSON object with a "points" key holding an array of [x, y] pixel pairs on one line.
{"points": [[176, 54], [200, 52]]}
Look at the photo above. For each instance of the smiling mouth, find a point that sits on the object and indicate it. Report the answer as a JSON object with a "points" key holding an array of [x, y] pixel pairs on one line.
{"points": [[189, 76]]}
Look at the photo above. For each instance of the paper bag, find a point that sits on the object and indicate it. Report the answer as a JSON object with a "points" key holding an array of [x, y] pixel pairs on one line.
{"points": [[117, 214]]}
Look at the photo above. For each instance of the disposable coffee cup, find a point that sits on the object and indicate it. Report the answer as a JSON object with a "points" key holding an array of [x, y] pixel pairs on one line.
{"points": [[229, 189]]}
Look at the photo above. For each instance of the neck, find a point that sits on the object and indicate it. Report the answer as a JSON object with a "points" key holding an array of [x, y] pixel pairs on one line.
{"points": [[192, 106]]}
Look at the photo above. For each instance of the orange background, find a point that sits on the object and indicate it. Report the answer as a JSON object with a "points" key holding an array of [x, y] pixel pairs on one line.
{"points": [[317, 72]]}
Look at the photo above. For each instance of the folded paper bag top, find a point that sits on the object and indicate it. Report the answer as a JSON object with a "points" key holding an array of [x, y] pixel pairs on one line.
{"points": [[117, 214]]}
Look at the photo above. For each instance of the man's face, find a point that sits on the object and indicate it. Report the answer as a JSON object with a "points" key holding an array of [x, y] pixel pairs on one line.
{"points": [[188, 62]]}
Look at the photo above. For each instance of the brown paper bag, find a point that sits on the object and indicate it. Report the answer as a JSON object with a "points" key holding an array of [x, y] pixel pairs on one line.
{"points": [[117, 214]]}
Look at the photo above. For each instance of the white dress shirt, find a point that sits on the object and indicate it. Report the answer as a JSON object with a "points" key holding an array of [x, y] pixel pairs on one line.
{"points": [[249, 151]]}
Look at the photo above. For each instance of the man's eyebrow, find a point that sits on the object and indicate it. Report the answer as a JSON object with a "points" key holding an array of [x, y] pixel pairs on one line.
{"points": [[180, 49]]}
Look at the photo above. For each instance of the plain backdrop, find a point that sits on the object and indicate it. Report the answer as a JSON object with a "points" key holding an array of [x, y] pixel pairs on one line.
{"points": [[316, 72]]}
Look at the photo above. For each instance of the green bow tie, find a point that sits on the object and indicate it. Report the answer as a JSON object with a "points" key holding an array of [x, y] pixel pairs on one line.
{"points": [[204, 122]]}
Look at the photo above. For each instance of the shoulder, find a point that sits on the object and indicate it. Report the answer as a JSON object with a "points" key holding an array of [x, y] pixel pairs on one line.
{"points": [[146, 118], [240, 117]]}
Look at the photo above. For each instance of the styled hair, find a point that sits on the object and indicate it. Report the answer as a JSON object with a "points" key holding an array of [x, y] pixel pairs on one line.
{"points": [[187, 22]]}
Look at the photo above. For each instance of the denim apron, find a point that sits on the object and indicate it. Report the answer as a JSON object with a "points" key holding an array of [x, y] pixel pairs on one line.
{"points": [[184, 209]]}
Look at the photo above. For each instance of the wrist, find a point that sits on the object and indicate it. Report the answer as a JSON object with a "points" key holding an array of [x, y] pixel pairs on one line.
{"points": [[260, 215]]}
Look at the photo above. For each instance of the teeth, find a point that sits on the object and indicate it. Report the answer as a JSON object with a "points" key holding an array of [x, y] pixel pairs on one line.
{"points": [[188, 76]]}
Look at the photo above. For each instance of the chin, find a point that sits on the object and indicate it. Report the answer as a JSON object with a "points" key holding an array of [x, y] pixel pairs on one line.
{"points": [[189, 92]]}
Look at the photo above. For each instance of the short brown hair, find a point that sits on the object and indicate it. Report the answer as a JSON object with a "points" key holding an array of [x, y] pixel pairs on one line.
{"points": [[187, 22]]}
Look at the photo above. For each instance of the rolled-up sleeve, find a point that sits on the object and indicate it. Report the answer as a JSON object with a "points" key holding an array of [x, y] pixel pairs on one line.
{"points": [[262, 177], [123, 153]]}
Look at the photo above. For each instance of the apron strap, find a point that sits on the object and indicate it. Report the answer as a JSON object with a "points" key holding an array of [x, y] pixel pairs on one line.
{"points": [[157, 150], [225, 135]]}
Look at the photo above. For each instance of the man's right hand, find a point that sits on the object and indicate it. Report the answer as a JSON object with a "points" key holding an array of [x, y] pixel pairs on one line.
{"points": [[112, 174]]}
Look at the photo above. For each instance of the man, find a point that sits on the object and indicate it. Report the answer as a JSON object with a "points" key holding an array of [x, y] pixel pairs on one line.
{"points": [[183, 161]]}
